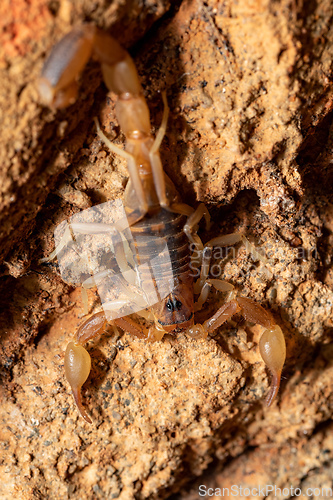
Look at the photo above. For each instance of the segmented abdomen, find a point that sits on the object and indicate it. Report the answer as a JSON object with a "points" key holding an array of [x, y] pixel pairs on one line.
{"points": [[160, 241]]}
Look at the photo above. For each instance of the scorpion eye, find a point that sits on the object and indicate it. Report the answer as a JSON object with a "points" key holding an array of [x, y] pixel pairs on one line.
{"points": [[169, 305], [174, 305], [178, 305]]}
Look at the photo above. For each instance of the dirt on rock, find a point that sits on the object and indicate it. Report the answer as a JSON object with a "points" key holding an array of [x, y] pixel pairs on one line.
{"points": [[249, 86]]}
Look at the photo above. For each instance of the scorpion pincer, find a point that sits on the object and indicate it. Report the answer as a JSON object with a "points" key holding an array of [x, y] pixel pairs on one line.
{"points": [[153, 207]]}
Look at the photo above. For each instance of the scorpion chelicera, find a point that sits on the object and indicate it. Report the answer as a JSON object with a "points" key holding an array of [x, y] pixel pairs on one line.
{"points": [[153, 207]]}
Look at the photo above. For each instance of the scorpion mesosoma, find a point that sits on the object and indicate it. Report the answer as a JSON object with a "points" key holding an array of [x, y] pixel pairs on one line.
{"points": [[152, 206]]}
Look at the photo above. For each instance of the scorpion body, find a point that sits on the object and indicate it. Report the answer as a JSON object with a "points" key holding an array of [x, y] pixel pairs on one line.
{"points": [[174, 313], [153, 209]]}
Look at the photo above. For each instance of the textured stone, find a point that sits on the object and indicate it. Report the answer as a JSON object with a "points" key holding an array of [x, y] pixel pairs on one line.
{"points": [[248, 85]]}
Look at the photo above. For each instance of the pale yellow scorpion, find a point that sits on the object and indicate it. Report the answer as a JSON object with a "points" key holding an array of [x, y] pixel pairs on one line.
{"points": [[153, 207]]}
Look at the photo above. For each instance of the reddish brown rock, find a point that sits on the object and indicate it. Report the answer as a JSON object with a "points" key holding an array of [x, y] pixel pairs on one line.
{"points": [[248, 86]]}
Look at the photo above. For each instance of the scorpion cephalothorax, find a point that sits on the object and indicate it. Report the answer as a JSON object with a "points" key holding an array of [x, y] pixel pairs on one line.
{"points": [[153, 208]]}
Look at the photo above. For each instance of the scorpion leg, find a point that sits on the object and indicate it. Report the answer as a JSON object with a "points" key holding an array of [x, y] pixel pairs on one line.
{"points": [[159, 175], [157, 168], [190, 229], [94, 281], [223, 241], [127, 324], [133, 172], [65, 240], [221, 285], [224, 313], [155, 159], [192, 222]]}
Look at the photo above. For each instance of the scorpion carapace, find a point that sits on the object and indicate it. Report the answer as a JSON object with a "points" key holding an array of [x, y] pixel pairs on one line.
{"points": [[153, 207], [175, 313]]}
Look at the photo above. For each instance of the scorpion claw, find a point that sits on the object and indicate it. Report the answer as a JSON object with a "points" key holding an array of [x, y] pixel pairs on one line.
{"points": [[78, 402], [274, 389], [272, 347], [77, 369]]}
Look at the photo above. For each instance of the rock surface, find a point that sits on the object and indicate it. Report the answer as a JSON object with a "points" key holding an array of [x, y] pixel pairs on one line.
{"points": [[249, 90]]}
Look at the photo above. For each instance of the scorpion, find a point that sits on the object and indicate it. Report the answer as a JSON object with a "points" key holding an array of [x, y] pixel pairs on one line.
{"points": [[153, 207]]}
